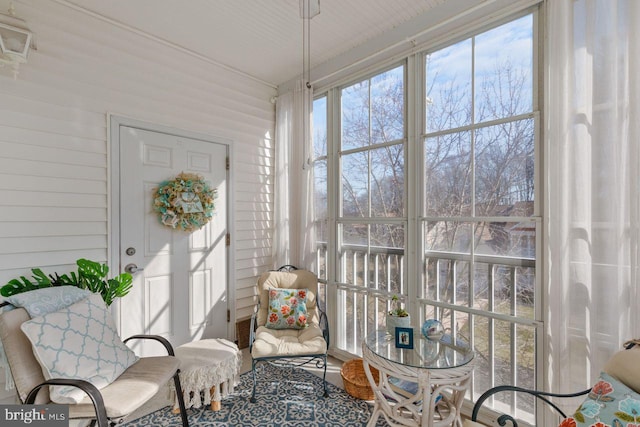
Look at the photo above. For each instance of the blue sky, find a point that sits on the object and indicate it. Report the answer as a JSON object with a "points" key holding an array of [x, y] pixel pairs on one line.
{"points": [[509, 42]]}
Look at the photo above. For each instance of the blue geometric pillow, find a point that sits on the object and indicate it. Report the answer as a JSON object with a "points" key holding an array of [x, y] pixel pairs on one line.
{"points": [[610, 403], [79, 341], [287, 309]]}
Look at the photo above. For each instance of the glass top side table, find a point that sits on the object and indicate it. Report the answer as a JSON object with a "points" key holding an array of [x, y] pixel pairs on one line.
{"points": [[425, 353], [422, 387]]}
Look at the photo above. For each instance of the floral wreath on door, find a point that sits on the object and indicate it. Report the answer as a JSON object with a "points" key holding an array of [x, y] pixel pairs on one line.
{"points": [[185, 202]]}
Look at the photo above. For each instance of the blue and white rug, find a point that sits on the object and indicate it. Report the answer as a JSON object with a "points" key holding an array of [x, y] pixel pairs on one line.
{"points": [[288, 397]]}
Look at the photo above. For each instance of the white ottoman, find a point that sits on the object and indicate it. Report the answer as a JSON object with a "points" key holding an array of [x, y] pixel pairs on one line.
{"points": [[211, 366]]}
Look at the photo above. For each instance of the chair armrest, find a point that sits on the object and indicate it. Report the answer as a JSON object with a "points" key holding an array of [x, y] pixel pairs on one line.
{"points": [[541, 395], [162, 340], [91, 390]]}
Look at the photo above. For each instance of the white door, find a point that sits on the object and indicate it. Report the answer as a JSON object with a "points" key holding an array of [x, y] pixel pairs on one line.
{"points": [[181, 286]]}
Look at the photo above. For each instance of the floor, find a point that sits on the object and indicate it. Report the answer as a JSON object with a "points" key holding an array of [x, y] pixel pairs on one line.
{"points": [[164, 398], [333, 368]]}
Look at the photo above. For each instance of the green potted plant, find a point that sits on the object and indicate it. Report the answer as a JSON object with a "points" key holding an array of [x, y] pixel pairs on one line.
{"points": [[397, 317], [91, 275]]}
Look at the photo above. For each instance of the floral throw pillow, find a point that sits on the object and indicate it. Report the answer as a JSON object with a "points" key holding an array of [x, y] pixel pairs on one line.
{"points": [[609, 404], [287, 309]]}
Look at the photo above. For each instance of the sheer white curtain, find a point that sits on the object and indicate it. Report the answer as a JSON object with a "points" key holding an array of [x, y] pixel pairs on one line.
{"points": [[293, 237], [593, 177]]}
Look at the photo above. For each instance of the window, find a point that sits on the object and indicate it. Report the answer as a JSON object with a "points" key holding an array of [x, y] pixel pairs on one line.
{"points": [[479, 215], [319, 137], [371, 220], [474, 221]]}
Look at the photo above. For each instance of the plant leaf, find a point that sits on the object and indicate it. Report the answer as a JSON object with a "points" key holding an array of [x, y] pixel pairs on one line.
{"points": [[17, 286], [40, 277]]}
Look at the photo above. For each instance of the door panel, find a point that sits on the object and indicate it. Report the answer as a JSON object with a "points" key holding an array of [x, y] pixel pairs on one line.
{"points": [[181, 293]]}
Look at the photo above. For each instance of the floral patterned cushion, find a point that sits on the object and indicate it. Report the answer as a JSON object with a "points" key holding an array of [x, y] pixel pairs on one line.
{"points": [[609, 404], [287, 309]]}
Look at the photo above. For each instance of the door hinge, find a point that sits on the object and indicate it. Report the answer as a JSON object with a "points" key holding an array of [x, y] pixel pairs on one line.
{"points": [[228, 164], [228, 239], [228, 316]]}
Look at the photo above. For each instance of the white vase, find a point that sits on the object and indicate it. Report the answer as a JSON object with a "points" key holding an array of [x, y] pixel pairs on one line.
{"points": [[394, 322]]}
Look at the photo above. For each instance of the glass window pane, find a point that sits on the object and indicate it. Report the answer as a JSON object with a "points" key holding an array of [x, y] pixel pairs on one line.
{"points": [[448, 74], [506, 238], [386, 257], [319, 133], [448, 175], [355, 116], [448, 280], [448, 236], [481, 281], [387, 181], [483, 377], [505, 169], [347, 310], [502, 338], [525, 292], [353, 253], [355, 184], [503, 62], [387, 106], [503, 287], [320, 188], [320, 228]]}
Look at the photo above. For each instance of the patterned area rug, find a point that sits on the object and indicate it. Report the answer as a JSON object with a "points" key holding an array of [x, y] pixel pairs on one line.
{"points": [[289, 397]]}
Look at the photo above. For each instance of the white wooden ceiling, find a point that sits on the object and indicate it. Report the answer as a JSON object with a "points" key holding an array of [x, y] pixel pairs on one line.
{"points": [[263, 38]]}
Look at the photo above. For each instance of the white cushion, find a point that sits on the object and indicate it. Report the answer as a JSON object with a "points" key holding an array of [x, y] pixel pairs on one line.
{"points": [[288, 342], [625, 367], [469, 423], [79, 341]]}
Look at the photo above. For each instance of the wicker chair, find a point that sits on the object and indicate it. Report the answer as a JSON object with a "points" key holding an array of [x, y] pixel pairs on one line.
{"points": [[290, 347]]}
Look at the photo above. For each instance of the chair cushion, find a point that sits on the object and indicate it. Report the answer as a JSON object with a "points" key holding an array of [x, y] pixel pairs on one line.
{"points": [[609, 403], [288, 342], [625, 367], [287, 309], [79, 341], [133, 388], [25, 369]]}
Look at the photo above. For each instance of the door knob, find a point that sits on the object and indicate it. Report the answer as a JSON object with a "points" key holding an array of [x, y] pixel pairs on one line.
{"points": [[132, 268]]}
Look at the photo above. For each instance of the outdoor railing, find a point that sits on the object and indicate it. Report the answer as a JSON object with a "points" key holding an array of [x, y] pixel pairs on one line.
{"points": [[496, 316]]}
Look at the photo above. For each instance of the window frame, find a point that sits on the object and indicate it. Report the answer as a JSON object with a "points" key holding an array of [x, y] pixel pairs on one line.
{"points": [[414, 200]]}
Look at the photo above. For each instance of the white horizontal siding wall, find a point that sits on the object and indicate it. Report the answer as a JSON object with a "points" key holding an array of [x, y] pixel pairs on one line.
{"points": [[53, 140]]}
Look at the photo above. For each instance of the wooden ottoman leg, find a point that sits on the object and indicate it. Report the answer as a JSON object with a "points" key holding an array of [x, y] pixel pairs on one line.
{"points": [[215, 404]]}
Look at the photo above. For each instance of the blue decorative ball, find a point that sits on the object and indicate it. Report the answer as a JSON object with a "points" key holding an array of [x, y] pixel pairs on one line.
{"points": [[432, 329]]}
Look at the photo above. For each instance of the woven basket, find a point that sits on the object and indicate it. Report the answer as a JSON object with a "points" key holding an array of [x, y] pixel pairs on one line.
{"points": [[355, 380]]}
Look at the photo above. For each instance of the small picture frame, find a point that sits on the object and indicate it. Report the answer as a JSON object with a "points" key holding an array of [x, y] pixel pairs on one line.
{"points": [[404, 338]]}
